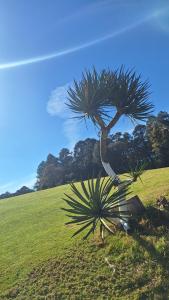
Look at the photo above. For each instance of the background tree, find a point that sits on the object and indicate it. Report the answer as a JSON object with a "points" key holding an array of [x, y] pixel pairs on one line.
{"points": [[52, 176], [119, 143], [65, 157], [23, 190], [141, 146], [158, 135], [66, 162], [50, 173], [84, 161]]}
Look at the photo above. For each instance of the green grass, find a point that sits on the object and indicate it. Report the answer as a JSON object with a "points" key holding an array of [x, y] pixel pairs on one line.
{"points": [[39, 260]]}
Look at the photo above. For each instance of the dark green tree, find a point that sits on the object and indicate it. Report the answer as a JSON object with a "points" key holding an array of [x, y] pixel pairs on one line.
{"points": [[158, 135], [84, 162], [65, 156], [52, 176], [50, 173], [141, 146]]}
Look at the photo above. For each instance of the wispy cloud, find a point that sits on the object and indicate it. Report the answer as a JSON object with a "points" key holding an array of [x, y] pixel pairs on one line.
{"points": [[85, 45], [56, 104], [56, 107]]}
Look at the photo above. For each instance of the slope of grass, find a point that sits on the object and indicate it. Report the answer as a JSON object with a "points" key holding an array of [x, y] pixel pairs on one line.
{"points": [[39, 260]]}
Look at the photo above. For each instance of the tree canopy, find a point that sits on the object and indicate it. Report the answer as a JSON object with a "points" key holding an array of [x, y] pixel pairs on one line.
{"points": [[97, 95]]}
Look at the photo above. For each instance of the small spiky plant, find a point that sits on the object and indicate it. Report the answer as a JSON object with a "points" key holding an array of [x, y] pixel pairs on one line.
{"points": [[95, 205], [136, 172]]}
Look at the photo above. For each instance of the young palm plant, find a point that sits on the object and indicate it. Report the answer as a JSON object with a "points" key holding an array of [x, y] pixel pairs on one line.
{"points": [[107, 96], [95, 205], [136, 172]]}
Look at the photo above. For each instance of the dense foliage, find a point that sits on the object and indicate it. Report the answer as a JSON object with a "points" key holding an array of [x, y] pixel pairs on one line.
{"points": [[148, 144], [96, 94]]}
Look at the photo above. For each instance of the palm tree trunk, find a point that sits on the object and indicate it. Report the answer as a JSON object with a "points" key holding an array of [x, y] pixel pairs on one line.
{"points": [[110, 171], [104, 155]]}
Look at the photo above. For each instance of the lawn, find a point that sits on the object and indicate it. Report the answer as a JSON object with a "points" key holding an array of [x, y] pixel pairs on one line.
{"points": [[39, 260]]}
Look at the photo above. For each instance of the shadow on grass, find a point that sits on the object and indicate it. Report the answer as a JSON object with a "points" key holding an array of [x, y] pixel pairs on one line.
{"points": [[161, 291], [154, 254]]}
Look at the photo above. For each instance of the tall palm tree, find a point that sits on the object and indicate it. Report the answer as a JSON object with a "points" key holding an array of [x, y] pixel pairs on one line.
{"points": [[107, 96]]}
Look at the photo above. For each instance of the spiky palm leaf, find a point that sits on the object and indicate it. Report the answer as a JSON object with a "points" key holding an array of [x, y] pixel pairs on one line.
{"points": [[95, 204], [88, 97], [136, 172], [129, 94]]}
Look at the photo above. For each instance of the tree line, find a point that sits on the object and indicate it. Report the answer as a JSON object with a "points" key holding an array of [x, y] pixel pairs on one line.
{"points": [[23, 190], [148, 144]]}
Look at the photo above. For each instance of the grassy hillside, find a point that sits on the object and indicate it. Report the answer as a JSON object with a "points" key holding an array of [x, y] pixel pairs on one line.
{"points": [[38, 258]]}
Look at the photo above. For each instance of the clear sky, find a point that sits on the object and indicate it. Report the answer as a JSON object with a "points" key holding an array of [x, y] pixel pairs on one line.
{"points": [[44, 45]]}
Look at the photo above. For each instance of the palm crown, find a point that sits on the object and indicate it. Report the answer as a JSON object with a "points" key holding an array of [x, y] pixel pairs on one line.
{"points": [[98, 93]]}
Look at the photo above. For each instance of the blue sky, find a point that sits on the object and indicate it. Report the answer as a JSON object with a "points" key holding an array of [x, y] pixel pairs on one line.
{"points": [[44, 45]]}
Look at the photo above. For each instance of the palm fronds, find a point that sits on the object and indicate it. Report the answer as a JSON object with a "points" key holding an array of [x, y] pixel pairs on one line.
{"points": [[136, 172], [130, 95], [98, 94], [95, 204], [87, 97]]}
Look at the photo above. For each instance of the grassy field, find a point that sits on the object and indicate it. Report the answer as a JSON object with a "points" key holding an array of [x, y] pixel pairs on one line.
{"points": [[39, 260]]}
